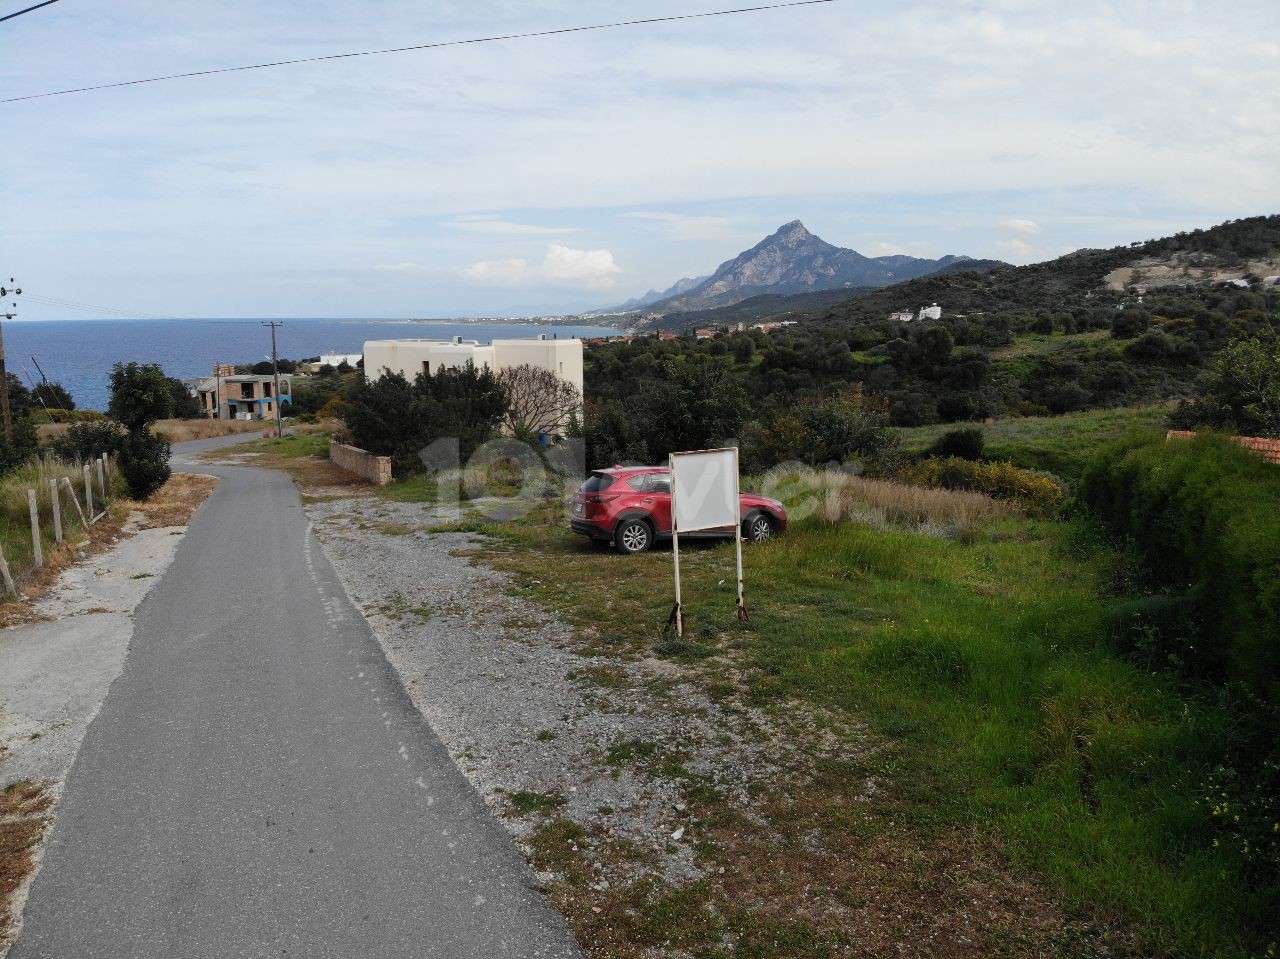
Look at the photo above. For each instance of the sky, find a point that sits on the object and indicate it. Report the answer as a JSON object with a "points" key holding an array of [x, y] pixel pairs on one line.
{"points": [[572, 172]]}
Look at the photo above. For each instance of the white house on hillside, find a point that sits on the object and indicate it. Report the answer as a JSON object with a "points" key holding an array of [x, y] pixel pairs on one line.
{"points": [[411, 357], [930, 312]]}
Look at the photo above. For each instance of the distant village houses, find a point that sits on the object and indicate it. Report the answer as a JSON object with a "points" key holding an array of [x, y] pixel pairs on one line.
{"points": [[710, 332], [933, 312]]}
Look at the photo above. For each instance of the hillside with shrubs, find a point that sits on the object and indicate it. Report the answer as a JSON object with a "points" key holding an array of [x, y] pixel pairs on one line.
{"points": [[1045, 339]]}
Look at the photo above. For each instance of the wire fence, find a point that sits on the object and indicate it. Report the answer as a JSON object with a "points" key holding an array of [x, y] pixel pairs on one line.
{"points": [[46, 506]]}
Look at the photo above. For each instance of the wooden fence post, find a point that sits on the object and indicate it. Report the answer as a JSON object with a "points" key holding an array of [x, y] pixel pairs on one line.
{"points": [[37, 553], [5, 575], [57, 511], [102, 479], [88, 494]]}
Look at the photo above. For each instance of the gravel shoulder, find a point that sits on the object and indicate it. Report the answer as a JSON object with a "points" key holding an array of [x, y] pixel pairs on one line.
{"points": [[617, 759]]}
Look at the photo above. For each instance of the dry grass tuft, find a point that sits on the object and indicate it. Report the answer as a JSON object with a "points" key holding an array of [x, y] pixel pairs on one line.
{"points": [[175, 502], [835, 497], [180, 431], [24, 817]]}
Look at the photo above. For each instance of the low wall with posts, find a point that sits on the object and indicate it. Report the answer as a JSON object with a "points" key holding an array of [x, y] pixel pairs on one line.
{"points": [[376, 469]]}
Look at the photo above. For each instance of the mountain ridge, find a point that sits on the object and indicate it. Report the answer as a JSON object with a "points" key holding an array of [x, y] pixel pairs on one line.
{"points": [[790, 260]]}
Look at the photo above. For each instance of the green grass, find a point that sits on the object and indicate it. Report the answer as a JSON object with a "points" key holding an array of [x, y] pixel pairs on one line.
{"points": [[290, 447], [418, 488], [1057, 444], [528, 803], [984, 664], [1033, 345]]}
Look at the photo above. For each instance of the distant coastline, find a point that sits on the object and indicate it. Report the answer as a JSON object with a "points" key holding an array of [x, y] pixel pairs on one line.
{"points": [[79, 353]]}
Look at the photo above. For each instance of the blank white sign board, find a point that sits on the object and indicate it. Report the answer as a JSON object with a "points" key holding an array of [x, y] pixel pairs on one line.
{"points": [[704, 487]]}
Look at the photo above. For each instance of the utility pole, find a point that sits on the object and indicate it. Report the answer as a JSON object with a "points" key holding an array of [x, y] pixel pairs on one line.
{"points": [[4, 376], [275, 374]]}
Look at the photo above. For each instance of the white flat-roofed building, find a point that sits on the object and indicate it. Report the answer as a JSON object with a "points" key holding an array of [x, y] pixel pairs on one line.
{"points": [[337, 359], [411, 357]]}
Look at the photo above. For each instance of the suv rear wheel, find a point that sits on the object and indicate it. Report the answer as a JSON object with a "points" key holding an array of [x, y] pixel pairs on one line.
{"points": [[633, 536]]}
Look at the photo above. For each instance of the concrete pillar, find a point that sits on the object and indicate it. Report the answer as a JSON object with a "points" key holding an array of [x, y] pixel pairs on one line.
{"points": [[57, 511], [6, 577], [71, 492], [102, 479], [88, 493], [37, 553]]}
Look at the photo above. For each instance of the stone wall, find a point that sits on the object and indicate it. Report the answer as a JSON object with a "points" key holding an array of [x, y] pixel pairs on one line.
{"points": [[376, 469]]}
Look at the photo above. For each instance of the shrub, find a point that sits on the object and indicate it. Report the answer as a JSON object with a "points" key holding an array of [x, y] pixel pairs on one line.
{"points": [[829, 431], [23, 447], [1202, 518], [392, 417], [966, 444], [143, 461], [89, 440], [1036, 493]]}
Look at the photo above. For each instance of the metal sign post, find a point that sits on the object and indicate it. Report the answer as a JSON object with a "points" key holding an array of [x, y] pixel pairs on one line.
{"points": [[704, 496]]}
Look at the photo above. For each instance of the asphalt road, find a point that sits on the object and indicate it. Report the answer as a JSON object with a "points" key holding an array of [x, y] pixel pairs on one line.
{"points": [[258, 784]]}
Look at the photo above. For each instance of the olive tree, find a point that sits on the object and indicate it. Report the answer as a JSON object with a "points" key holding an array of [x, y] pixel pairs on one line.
{"points": [[538, 401]]}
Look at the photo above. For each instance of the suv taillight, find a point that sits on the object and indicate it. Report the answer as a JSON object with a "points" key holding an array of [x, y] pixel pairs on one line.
{"points": [[598, 500]]}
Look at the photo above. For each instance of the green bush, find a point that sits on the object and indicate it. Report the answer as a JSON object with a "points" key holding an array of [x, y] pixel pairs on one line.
{"points": [[1036, 493], [23, 447], [89, 440], [967, 444], [392, 417], [143, 461], [1202, 518], [838, 430]]}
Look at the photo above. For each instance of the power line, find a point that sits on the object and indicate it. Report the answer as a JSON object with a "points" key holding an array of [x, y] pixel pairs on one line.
{"points": [[10, 16], [58, 303], [424, 46]]}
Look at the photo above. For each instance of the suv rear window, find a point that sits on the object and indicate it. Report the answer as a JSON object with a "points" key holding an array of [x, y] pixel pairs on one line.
{"points": [[596, 483]]}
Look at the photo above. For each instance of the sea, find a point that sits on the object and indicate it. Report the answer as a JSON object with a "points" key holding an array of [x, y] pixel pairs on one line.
{"points": [[79, 353]]}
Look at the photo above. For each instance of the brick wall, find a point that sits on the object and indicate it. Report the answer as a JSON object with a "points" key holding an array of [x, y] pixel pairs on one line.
{"points": [[1269, 450], [376, 469]]}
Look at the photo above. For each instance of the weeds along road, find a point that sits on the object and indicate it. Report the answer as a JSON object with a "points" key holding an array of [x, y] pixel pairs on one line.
{"points": [[258, 783]]}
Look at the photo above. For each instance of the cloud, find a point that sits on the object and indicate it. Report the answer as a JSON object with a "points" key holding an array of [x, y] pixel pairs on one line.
{"points": [[1017, 249], [682, 227], [494, 225], [562, 266], [500, 272], [1022, 226], [406, 267], [590, 268]]}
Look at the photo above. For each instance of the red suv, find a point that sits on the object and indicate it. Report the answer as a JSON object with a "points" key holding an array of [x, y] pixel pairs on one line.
{"points": [[630, 506]]}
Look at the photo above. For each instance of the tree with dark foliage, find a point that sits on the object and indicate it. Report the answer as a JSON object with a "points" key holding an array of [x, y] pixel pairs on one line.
{"points": [[140, 395], [392, 417]]}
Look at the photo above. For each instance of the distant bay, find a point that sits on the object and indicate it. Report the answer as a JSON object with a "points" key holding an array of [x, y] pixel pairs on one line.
{"points": [[79, 353]]}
